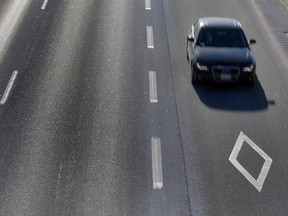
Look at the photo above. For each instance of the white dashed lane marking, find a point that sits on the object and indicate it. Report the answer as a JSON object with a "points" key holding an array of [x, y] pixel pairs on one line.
{"points": [[44, 4], [153, 87], [148, 4], [9, 88], [156, 163], [150, 40], [258, 184], [157, 173]]}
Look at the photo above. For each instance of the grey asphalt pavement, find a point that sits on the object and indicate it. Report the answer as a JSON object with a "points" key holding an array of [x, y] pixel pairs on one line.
{"points": [[76, 130], [285, 2]]}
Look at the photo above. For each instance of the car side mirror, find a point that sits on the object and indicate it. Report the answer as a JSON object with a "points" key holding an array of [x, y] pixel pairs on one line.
{"points": [[252, 41], [190, 38]]}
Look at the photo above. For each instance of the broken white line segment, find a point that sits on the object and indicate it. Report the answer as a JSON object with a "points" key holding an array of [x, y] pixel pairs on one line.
{"points": [[150, 41], [258, 184], [156, 163], [8, 88], [44, 4], [148, 4], [153, 87]]}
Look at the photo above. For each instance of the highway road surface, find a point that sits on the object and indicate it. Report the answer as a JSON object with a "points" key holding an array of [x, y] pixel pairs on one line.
{"points": [[98, 116]]}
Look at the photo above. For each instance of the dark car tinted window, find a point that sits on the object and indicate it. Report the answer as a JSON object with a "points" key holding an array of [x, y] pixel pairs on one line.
{"points": [[196, 29], [222, 37]]}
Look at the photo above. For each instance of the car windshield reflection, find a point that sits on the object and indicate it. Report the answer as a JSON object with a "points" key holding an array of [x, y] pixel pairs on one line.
{"points": [[224, 37]]}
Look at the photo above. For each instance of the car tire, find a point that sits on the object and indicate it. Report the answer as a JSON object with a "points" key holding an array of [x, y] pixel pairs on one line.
{"points": [[251, 80], [187, 53], [194, 77]]}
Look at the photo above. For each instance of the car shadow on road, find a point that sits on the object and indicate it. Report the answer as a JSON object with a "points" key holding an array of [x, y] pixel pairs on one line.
{"points": [[236, 97]]}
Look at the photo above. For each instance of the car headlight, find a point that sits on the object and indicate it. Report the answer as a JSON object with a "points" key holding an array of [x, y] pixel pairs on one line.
{"points": [[202, 67], [248, 68]]}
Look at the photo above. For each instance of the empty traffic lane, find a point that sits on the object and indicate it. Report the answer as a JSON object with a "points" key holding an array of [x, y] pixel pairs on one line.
{"points": [[69, 132], [78, 129]]}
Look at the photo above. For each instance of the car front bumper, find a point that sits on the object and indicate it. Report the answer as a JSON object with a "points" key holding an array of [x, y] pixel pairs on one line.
{"points": [[227, 74]]}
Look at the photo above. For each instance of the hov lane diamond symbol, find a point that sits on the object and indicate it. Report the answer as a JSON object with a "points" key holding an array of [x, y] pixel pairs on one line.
{"points": [[258, 184]]}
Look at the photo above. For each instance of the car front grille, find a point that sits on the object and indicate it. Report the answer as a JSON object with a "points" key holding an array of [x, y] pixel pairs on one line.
{"points": [[223, 73]]}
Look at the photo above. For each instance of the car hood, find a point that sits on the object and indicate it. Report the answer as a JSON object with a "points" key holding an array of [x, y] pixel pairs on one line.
{"points": [[223, 55]]}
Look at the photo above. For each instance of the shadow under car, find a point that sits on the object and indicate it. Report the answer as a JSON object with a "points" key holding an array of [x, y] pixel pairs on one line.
{"points": [[234, 97]]}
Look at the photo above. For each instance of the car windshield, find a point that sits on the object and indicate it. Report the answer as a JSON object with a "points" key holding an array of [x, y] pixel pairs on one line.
{"points": [[221, 37]]}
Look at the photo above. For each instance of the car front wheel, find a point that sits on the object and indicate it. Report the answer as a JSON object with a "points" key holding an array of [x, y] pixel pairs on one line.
{"points": [[251, 80], [187, 52], [194, 76]]}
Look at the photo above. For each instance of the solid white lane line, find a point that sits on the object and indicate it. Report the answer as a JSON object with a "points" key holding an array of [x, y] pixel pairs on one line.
{"points": [[148, 4], [44, 4], [150, 40], [156, 163], [153, 87], [8, 88], [257, 183]]}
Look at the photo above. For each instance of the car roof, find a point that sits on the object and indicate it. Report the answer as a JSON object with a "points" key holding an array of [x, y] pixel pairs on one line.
{"points": [[219, 22]]}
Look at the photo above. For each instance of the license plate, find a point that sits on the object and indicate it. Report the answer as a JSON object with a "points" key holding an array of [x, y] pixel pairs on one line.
{"points": [[225, 76]]}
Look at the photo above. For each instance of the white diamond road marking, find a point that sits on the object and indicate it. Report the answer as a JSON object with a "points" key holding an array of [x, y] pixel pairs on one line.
{"points": [[258, 184]]}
